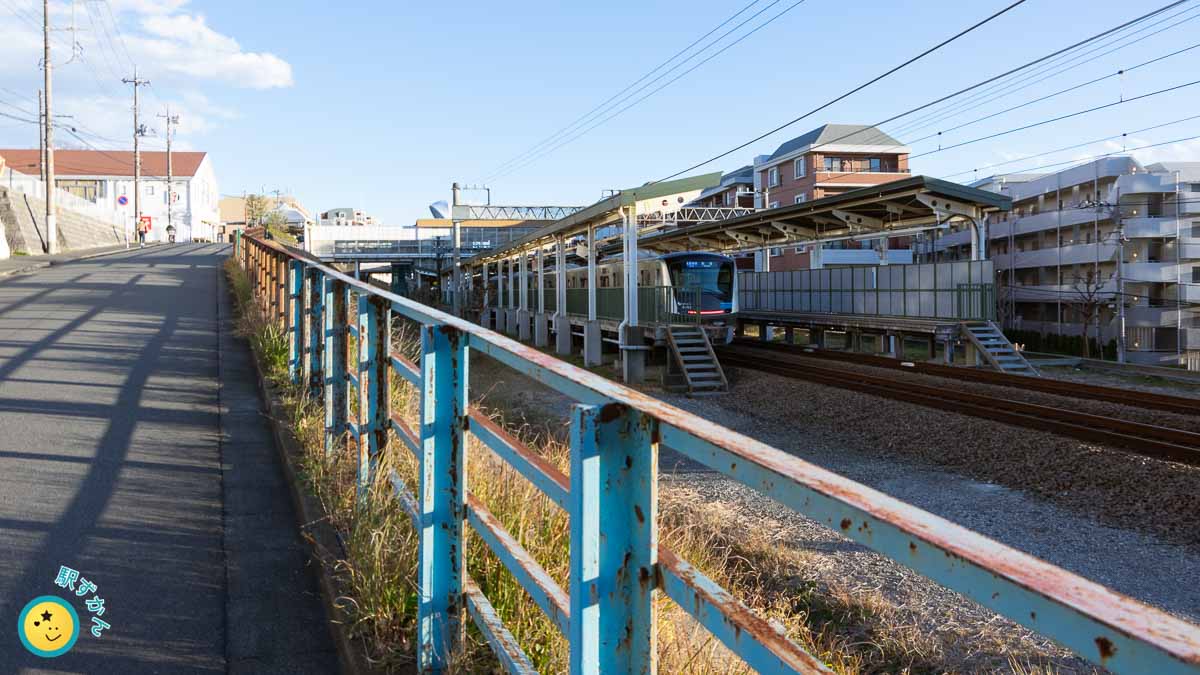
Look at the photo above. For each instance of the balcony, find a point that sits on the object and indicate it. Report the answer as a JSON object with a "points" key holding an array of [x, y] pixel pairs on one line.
{"points": [[1064, 255]]}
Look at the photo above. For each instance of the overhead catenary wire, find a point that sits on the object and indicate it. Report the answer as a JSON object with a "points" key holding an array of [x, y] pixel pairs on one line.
{"points": [[933, 102], [1054, 66], [621, 110], [636, 82], [1031, 125]]}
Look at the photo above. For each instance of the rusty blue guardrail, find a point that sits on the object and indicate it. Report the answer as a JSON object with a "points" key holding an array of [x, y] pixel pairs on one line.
{"points": [[616, 563]]}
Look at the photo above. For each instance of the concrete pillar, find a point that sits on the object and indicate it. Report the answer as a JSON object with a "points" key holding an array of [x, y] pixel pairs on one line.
{"points": [[948, 353], [633, 355], [789, 335], [762, 331], [816, 338], [932, 348], [592, 347], [541, 329], [562, 335]]}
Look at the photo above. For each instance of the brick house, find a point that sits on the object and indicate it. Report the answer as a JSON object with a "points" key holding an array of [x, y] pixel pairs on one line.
{"points": [[827, 161]]}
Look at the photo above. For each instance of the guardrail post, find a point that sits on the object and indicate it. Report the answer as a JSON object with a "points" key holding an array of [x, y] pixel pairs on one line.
{"points": [[314, 360], [442, 495], [334, 314], [373, 340], [296, 320], [614, 472]]}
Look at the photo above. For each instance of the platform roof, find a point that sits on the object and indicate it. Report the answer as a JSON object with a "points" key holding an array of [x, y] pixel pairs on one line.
{"points": [[603, 212], [907, 205]]}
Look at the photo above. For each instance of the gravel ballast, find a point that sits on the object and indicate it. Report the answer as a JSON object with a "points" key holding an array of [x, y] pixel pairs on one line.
{"points": [[1095, 511]]}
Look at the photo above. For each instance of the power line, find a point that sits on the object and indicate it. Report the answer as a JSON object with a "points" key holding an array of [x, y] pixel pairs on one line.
{"points": [[1081, 85], [855, 90], [1005, 88], [938, 100], [1078, 145], [665, 85], [1123, 151], [628, 87], [1030, 126]]}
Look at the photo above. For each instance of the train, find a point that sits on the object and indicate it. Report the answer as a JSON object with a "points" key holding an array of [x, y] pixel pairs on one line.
{"points": [[713, 274]]}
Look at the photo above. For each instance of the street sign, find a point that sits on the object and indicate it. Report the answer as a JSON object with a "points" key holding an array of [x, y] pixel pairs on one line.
{"points": [[122, 200], [144, 223]]}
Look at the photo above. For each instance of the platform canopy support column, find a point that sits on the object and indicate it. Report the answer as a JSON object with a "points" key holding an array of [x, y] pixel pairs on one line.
{"points": [[501, 284], [485, 315], [541, 322], [510, 314], [591, 329], [523, 301], [562, 325], [633, 347]]}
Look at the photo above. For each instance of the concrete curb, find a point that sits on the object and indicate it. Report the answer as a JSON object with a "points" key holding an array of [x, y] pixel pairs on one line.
{"points": [[315, 529]]}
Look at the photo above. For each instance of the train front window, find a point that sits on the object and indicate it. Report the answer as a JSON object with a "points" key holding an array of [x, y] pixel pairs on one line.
{"points": [[711, 276]]}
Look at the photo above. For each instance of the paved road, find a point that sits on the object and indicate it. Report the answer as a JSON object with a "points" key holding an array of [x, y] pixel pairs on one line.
{"points": [[132, 451]]}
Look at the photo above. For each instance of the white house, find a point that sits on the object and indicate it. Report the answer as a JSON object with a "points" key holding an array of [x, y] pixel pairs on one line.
{"points": [[105, 178]]}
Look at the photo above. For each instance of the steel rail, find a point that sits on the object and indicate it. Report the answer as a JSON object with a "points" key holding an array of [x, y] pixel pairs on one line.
{"points": [[1139, 399], [1144, 439]]}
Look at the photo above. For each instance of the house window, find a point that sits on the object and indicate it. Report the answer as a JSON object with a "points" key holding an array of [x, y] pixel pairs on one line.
{"points": [[876, 165], [831, 163], [801, 198], [150, 190], [773, 177], [776, 252], [773, 205], [801, 167], [1195, 230], [1196, 275]]}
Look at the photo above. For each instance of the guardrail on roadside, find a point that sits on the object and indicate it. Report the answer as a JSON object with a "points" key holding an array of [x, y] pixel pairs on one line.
{"points": [[617, 564]]}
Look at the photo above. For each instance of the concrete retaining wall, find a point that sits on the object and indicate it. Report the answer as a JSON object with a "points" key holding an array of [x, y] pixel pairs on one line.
{"points": [[23, 218]]}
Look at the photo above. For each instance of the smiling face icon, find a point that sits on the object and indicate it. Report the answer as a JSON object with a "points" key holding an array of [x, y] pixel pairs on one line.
{"points": [[48, 626]]}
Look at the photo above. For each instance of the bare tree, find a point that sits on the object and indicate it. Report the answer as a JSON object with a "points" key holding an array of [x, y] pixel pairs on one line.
{"points": [[256, 208], [1088, 300]]}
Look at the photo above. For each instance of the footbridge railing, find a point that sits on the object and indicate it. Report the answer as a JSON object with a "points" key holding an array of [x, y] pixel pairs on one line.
{"points": [[616, 563]]}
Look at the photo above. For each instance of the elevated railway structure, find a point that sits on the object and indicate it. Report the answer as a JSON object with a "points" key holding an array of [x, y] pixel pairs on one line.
{"points": [[618, 568]]}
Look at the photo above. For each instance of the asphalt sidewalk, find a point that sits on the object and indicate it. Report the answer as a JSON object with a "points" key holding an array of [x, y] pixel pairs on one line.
{"points": [[136, 454]]}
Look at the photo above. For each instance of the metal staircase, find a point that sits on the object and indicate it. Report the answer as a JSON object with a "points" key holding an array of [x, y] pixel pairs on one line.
{"points": [[694, 355], [990, 341]]}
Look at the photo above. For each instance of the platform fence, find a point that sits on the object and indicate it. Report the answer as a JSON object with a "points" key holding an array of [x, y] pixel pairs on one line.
{"points": [[959, 291], [617, 566]]}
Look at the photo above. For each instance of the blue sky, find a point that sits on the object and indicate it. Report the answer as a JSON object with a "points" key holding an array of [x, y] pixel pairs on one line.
{"points": [[382, 105]]}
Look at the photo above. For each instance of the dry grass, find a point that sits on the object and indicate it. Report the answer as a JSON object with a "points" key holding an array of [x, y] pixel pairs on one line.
{"points": [[852, 632]]}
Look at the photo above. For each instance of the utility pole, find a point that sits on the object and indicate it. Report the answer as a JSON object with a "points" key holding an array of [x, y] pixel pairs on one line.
{"points": [[48, 131], [171, 120], [138, 132]]}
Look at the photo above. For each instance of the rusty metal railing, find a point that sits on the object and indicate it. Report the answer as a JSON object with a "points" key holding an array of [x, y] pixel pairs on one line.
{"points": [[616, 564]]}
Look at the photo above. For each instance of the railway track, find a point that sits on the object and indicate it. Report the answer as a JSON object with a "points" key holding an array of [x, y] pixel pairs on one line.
{"points": [[1140, 399], [1175, 445]]}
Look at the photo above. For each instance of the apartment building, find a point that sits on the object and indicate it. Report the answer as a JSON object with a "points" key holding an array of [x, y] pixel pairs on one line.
{"points": [[1080, 242], [345, 216], [736, 190], [105, 178], [827, 161]]}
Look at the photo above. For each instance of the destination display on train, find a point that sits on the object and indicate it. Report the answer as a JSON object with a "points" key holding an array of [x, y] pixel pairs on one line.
{"points": [[700, 263]]}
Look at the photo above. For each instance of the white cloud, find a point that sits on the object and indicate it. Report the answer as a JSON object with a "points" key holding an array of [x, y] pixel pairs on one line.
{"points": [[187, 60], [185, 44]]}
